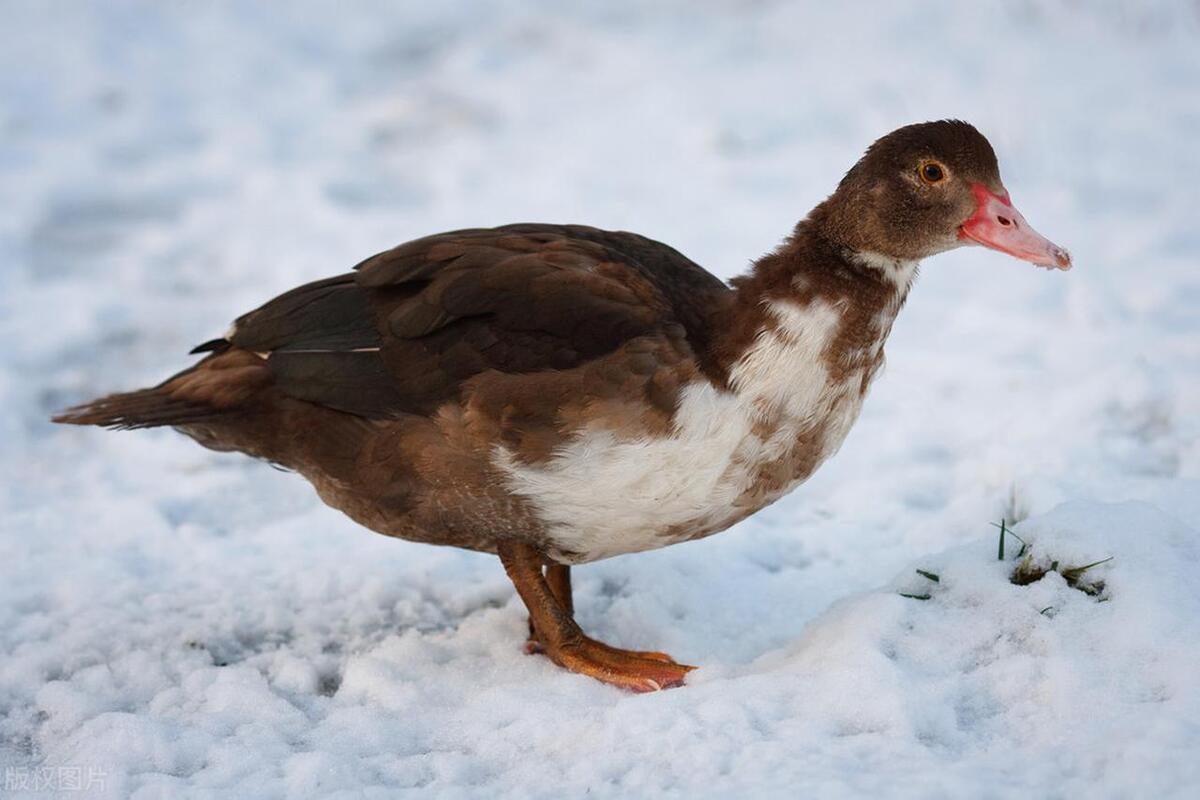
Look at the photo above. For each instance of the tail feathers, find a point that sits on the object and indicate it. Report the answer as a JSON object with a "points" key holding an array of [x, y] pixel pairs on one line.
{"points": [[221, 383], [147, 408]]}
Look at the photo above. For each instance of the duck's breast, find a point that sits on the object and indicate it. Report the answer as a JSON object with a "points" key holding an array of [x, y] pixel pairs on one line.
{"points": [[727, 452]]}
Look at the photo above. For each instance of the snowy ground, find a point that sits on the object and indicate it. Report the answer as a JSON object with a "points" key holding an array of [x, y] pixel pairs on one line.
{"points": [[175, 622]]}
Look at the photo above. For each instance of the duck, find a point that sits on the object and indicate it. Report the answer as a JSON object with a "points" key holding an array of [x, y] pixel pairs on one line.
{"points": [[558, 394]]}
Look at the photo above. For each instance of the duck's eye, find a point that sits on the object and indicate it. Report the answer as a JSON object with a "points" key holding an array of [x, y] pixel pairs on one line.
{"points": [[931, 172]]}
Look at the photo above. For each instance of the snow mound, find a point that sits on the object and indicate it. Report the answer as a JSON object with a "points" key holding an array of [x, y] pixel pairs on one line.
{"points": [[1036, 685]]}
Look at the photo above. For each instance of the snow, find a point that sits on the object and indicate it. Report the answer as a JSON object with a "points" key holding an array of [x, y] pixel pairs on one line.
{"points": [[175, 622]]}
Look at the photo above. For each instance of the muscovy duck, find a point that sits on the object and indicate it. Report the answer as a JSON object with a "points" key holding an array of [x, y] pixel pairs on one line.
{"points": [[558, 394]]}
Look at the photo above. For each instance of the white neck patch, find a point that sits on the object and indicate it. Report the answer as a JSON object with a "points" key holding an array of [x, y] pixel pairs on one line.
{"points": [[901, 272]]}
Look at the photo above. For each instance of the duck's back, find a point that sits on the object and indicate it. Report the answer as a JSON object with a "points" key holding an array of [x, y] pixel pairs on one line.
{"points": [[405, 331]]}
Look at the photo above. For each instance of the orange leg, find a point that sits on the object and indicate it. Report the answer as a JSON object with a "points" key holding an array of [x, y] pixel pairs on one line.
{"points": [[560, 638], [558, 578]]}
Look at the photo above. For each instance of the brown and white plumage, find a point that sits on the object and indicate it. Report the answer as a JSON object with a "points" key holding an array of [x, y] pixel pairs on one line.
{"points": [[558, 393]]}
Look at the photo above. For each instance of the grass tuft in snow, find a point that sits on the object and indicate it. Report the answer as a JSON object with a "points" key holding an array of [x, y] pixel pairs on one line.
{"points": [[1029, 570]]}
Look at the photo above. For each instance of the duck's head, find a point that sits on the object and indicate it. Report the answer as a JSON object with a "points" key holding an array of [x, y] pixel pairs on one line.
{"points": [[927, 188]]}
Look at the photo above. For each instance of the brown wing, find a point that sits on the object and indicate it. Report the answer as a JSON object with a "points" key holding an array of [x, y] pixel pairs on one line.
{"points": [[405, 331]]}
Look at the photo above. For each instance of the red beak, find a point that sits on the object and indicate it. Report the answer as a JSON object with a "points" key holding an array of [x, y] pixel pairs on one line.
{"points": [[996, 224]]}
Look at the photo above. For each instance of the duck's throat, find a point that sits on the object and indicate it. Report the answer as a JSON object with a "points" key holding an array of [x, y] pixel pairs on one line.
{"points": [[810, 314], [821, 316]]}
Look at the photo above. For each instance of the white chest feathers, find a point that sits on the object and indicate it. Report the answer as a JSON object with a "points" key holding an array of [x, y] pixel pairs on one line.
{"points": [[604, 495]]}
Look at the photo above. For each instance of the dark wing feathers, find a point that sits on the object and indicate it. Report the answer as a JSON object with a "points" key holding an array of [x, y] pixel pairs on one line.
{"points": [[331, 314], [406, 329], [354, 382]]}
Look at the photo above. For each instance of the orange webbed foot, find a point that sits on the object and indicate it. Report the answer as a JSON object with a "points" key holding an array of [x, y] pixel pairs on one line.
{"points": [[636, 670]]}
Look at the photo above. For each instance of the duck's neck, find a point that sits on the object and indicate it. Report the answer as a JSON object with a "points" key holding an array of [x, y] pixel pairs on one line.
{"points": [[810, 312]]}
